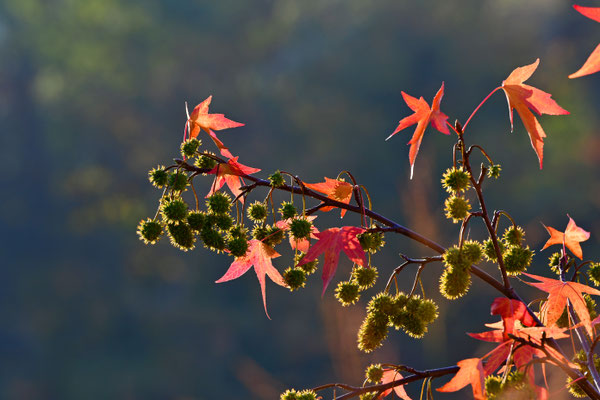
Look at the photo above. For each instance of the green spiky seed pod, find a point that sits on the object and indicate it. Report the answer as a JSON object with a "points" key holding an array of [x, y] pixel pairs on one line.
{"points": [[382, 303], [365, 277], [223, 221], [276, 179], [374, 373], [158, 177], [189, 147], [238, 231], [428, 311], [456, 179], [489, 252], [309, 267], [196, 220], [455, 283], [300, 228], [174, 211], [287, 210], [456, 208], [178, 181], [412, 304], [368, 396], [514, 235], [212, 239], [274, 236], [289, 394], [455, 258], [237, 246], [574, 389], [149, 231], [594, 273], [306, 395], [347, 293], [414, 326], [371, 242], [181, 236], [494, 171], [295, 278], [257, 211], [399, 319], [260, 232], [219, 203], [372, 332], [472, 252], [493, 386], [400, 300], [517, 259], [206, 162]]}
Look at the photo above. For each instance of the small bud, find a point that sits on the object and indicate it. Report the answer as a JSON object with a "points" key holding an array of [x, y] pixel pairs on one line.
{"points": [[347, 293], [295, 278], [456, 179], [257, 211], [517, 259], [178, 181], [158, 176], [149, 231], [287, 210], [174, 211], [189, 147], [276, 179], [457, 208]]}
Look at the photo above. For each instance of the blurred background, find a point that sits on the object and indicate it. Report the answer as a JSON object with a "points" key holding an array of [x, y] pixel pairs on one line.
{"points": [[92, 96]]}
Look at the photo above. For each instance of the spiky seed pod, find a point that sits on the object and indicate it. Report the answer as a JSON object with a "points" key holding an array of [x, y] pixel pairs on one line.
{"points": [[382, 303], [260, 232], [238, 231], [149, 231], [517, 259], [205, 162], [372, 332], [516, 386], [174, 211], [309, 267], [368, 396], [456, 179], [412, 305], [178, 181], [181, 236], [295, 278], [513, 235], [456, 208], [189, 147], [196, 220], [287, 210], [455, 283], [489, 252], [399, 319], [594, 273], [274, 236], [300, 228], [493, 386], [257, 211], [554, 263], [276, 179], [212, 239], [455, 258], [574, 389], [218, 203], [472, 252], [237, 246], [428, 311], [414, 326], [494, 171], [289, 394], [400, 300], [365, 277], [306, 394], [158, 177], [223, 221], [347, 293], [371, 242], [374, 373]]}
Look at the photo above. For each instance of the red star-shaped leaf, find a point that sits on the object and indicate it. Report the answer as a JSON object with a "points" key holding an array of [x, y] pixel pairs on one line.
{"points": [[511, 311], [558, 293], [258, 255], [423, 115], [571, 238], [334, 189], [332, 242], [522, 98], [229, 173], [470, 373], [592, 64]]}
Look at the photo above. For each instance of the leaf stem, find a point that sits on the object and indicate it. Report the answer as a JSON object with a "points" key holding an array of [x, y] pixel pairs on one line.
{"points": [[479, 106]]}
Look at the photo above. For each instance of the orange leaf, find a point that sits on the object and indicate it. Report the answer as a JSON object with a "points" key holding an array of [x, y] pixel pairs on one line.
{"points": [[334, 189], [523, 97], [571, 238], [511, 311], [331, 242], [229, 173], [558, 293], [258, 255], [470, 373], [592, 64], [391, 375], [422, 116]]}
